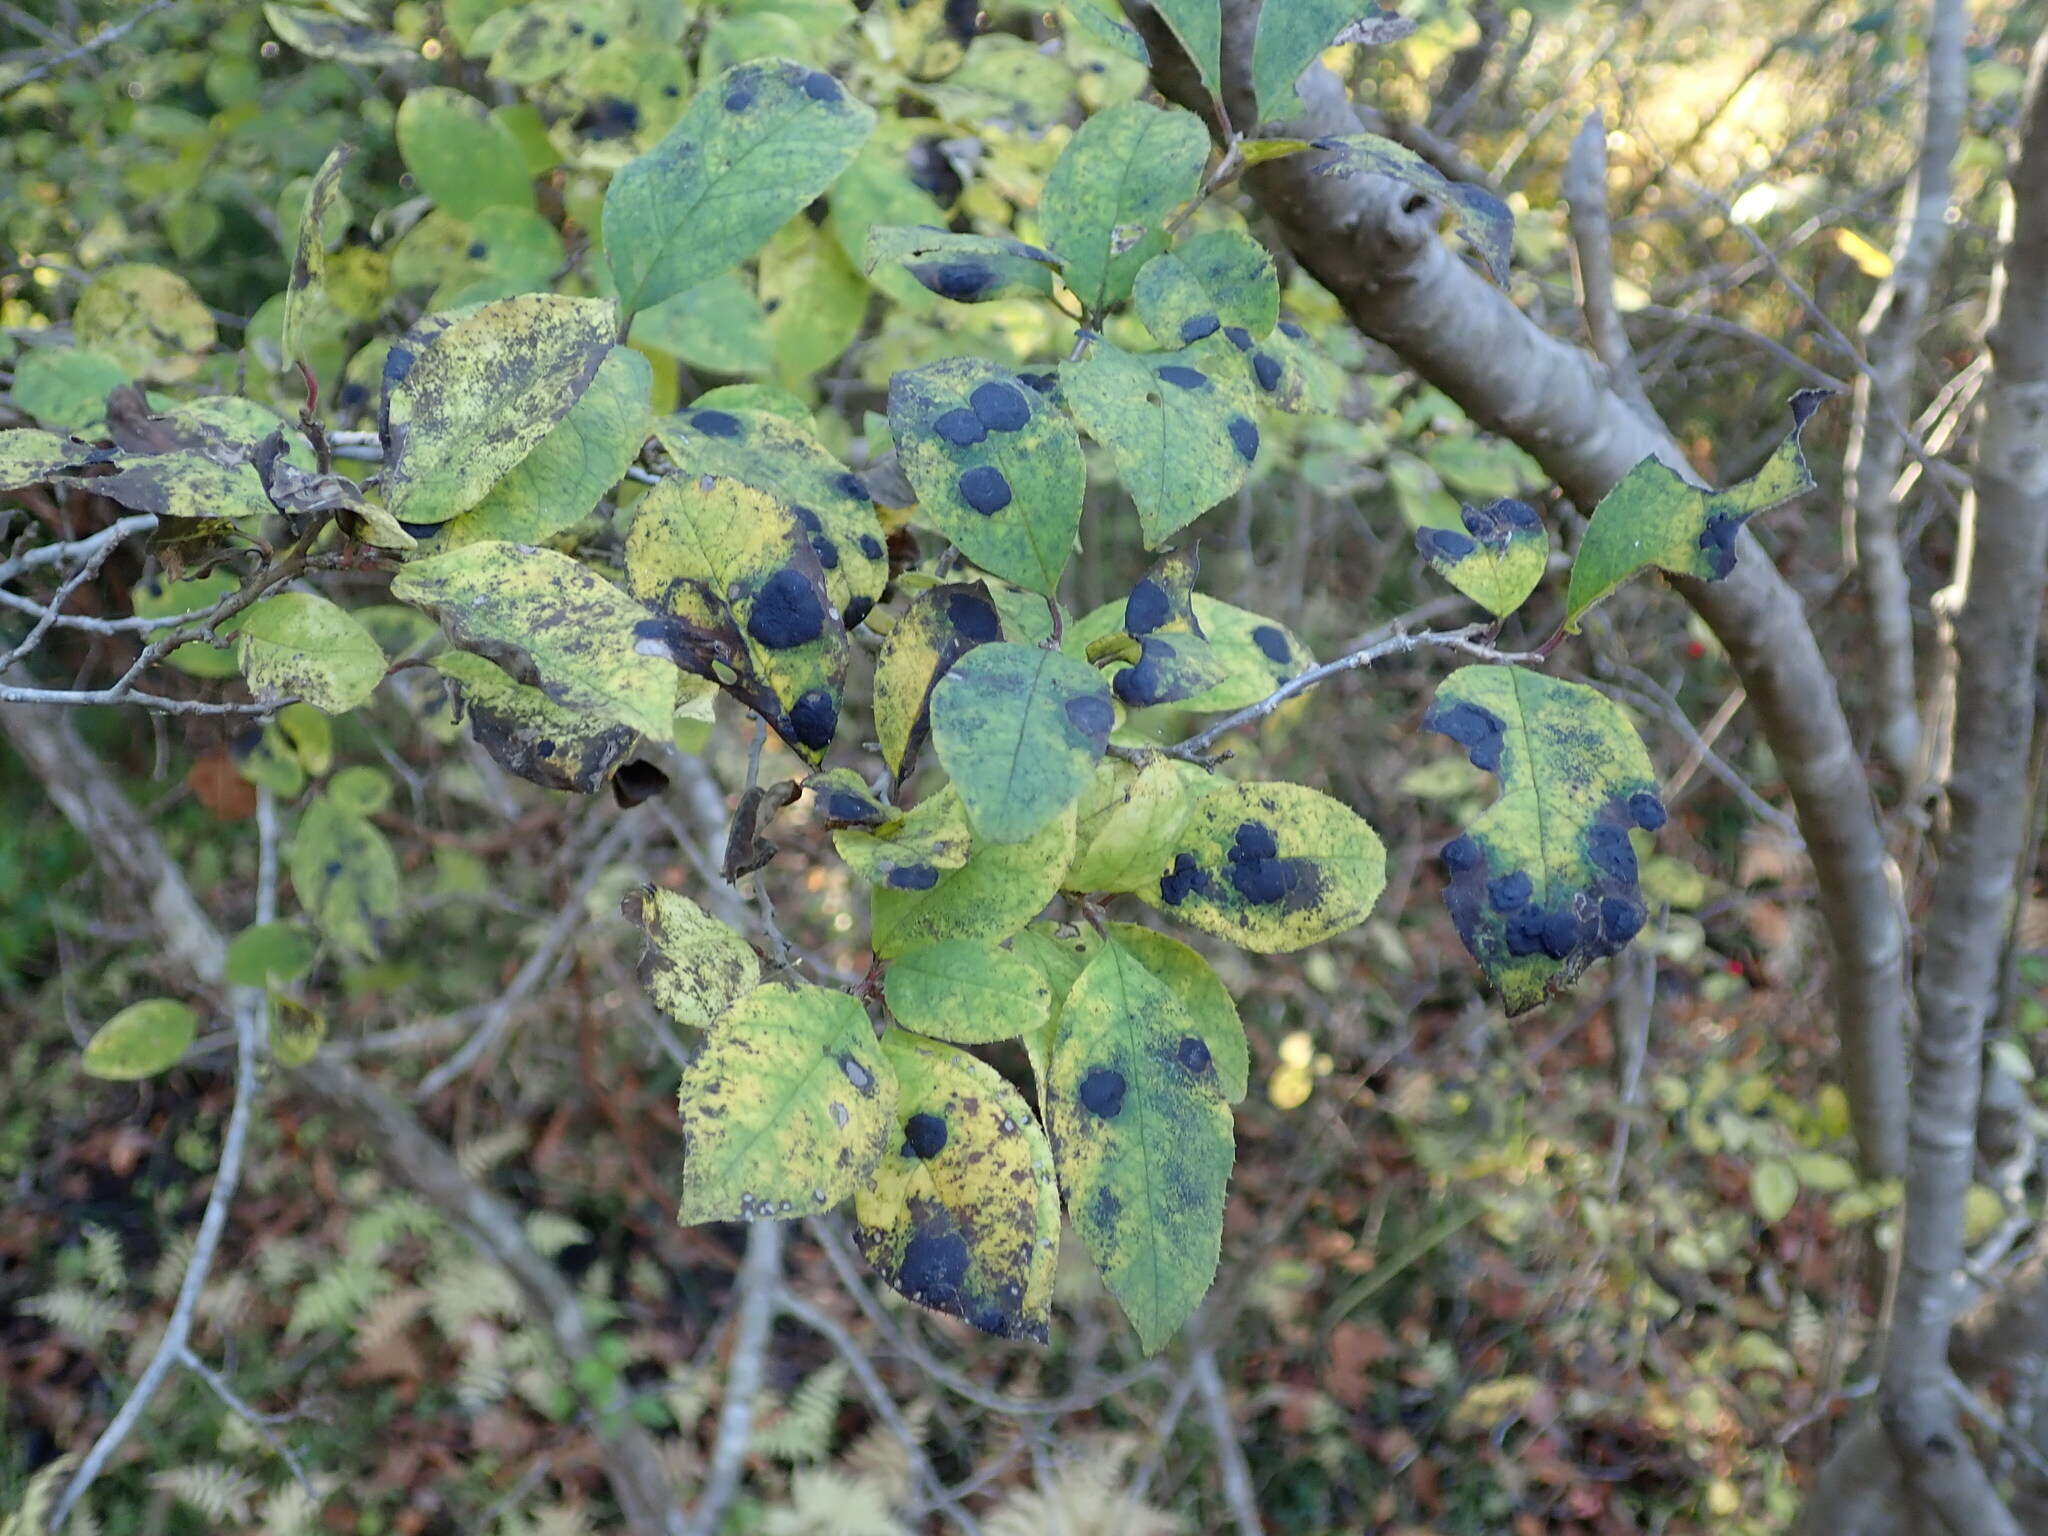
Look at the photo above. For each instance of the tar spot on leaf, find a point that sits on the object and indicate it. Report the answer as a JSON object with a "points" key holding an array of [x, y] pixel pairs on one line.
{"points": [[871, 546], [1240, 338], [1621, 920], [1198, 327], [1273, 643], [985, 490], [717, 424], [934, 1268], [973, 617], [808, 518], [961, 281], [1092, 715], [740, 96], [1267, 371], [814, 719], [1510, 891], [1184, 878], [854, 488], [1479, 731], [478, 250], [1443, 544], [1147, 608], [1194, 1054], [1102, 1092], [963, 429], [1609, 850], [1185, 378], [1647, 810], [1460, 854], [1146, 683], [913, 877], [820, 86], [1292, 331], [924, 1136], [1244, 437], [1717, 543], [857, 609], [999, 406], [827, 551], [787, 612]]}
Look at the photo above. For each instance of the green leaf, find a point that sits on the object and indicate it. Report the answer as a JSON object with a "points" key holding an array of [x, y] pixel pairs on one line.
{"points": [[296, 645], [1486, 222], [718, 326], [1293, 374], [149, 320], [1291, 33], [1257, 654], [1497, 560], [1773, 1189], [929, 38], [910, 854], [970, 991], [695, 967], [65, 388], [296, 1031], [814, 299], [1201, 994], [1103, 20], [270, 955], [743, 600], [1271, 867], [997, 467], [470, 393], [311, 735], [754, 148], [760, 448], [1544, 882], [185, 484], [156, 598], [1000, 888], [321, 36], [459, 154], [1657, 517], [963, 1215], [1142, 1139], [1111, 192], [570, 470], [309, 262], [1130, 820], [967, 269], [1178, 426], [528, 734], [28, 457], [141, 1040], [938, 626], [788, 1108], [1174, 661], [552, 620], [1198, 24], [1217, 281], [361, 789], [346, 877], [1019, 730]]}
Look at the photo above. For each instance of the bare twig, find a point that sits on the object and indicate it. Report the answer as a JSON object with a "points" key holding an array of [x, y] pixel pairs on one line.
{"points": [[1585, 190], [260, 1423], [1236, 1471], [113, 34], [758, 1297]]}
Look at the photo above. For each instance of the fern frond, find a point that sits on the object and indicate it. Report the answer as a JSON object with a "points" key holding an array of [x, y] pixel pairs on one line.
{"points": [[462, 1290], [824, 1502], [391, 1218], [77, 1311], [551, 1232], [38, 1499], [802, 1431], [880, 1457], [217, 1492], [479, 1157], [337, 1297], [1085, 1495], [289, 1510], [104, 1265]]}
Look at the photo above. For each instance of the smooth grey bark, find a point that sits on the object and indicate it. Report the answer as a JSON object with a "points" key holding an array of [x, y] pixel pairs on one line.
{"points": [[1994, 604], [1889, 335], [1374, 244]]}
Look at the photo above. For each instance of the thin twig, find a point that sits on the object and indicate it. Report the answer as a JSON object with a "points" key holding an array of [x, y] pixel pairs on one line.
{"points": [[759, 1289], [111, 35], [1236, 1471], [260, 1423]]}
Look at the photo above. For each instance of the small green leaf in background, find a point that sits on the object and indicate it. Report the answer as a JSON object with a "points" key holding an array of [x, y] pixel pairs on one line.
{"points": [[788, 1108], [345, 875], [574, 630], [1293, 374], [296, 1031], [1111, 192], [149, 320], [814, 299], [1198, 24], [159, 599], [1486, 223], [65, 388], [1178, 426], [1545, 881], [971, 991], [141, 1040], [296, 645], [1291, 33], [1142, 1139], [1103, 20], [528, 734], [997, 467], [1129, 822], [270, 955], [754, 147], [309, 262], [1773, 1189], [938, 626], [470, 393], [1222, 280], [718, 325], [1019, 731], [1499, 558], [967, 269], [912, 853], [310, 733], [1271, 867], [1000, 888], [963, 1214], [321, 36], [1174, 661], [1658, 517], [695, 967], [459, 154], [361, 788]]}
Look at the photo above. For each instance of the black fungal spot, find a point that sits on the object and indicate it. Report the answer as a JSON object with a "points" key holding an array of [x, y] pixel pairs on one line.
{"points": [[1102, 1092], [854, 488], [814, 719], [1147, 608], [820, 86], [1198, 327], [1478, 731], [1292, 331], [924, 1136], [857, 1074], [478, 250], [961, 18], [671, 91], [1000, 406], [1254, 840], [857, 609], [611, 118], [844, 808], [985, 490], [740, 95], [717, 424], [810, 519], [1620, 920], [973, 617], [913, 877], [1646, 810], [1273, 644], [961, 280], [786, 611], [934, 1269], [397, 364], [575, 29], [1244, 437], [1443, 544], [1717, 543], [1092, 715], [1263, 881], [1525, 932], [1240, 338], [1517, 514], [1147, 683], [870, 546], [1184, 378], [1610, 852], [420, 530], [827, 552], [1194, 1054], [1266, 369], [1510, 891], [1561, 934], [598, 39], [1460, 854], [1185, 878], [963, 429], [1043, 383]]}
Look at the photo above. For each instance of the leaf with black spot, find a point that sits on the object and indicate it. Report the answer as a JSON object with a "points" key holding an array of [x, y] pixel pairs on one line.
{"points": [[1019, 730], [1257, 654], [694, 967], [345, 876], [997, 467], [1216, 280], [787, 1109], [738, 595], [1271, 867], [761, 447], [938, 626], [1142, 1139], [1204, 997], [1129, 822], [1178, 426], [1110, 195], [1103, 20], [968, 269], [1291, 374], [841, 798], [913, 852], [321, 36], [1544, 882], [963, 1214], [968, 991], [1000, 888], [1174, 661], [1497, 560], [528, 734], [1485, 222], [1658, 517], [929, 38]]}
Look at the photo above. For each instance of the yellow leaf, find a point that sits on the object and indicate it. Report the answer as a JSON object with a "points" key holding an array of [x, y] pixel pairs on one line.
{"points": [[1870, 261]]}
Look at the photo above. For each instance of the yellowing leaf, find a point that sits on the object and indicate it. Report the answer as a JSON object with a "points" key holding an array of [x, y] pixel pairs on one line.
{"points": [[1497, 560], [528, 734], [297, 645], [969, 991], [1000, 888], [345, 876], [695, 967], [150, 321], [1019, 730], [939, 626], [1109, 196], [1773, 1189], [141, 1040], [309, 262]]}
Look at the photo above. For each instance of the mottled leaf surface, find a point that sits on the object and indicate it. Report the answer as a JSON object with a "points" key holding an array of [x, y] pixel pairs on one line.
{"points": [[185, 484], [1257, 654], [345, 876], [1174, 659], [1543, 883], [752, 149], [144, 1039], [29, 457], [694, 966], [1656, 517], [787, 1109], [1485, 222], [1271, 867], [528, 734], [996, 466], [1291, 374], [1497, 560], [1201, 994], [148, 319], [1000, 888], [963, 1214], [321, 36], [470, 393], [1129, 822], [1111, 192], [1103, 20], [1220, 280], [297, 645], [1142, 1139], [309, 261], [1291, 33], [913, 853], [1019, 730], [937, 627], [843, 799], [969, 991], [967, 269], [1178, 426]]}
